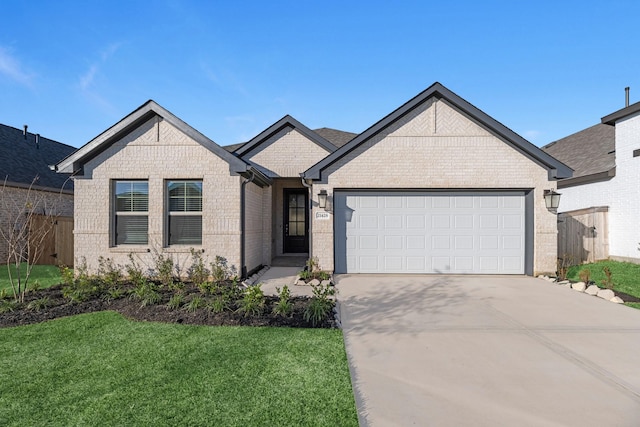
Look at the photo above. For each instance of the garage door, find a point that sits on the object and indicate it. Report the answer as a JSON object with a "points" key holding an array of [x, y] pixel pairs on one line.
{"points": [[421, 232]]}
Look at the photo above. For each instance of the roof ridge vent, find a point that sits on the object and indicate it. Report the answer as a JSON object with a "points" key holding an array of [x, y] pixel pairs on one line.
{"points": [[24, 132]]}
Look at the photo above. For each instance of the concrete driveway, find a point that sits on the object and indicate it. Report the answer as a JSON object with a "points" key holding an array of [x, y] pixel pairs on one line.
{"points": [[488, 351]]}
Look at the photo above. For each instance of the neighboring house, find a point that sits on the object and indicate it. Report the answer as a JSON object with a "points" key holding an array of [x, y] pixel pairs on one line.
{"points": [[24, 157], [437, 186], [606, 160]]}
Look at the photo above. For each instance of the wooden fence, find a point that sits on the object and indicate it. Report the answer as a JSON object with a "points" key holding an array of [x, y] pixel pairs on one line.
{"points": [[58, 244], [583, 235]]}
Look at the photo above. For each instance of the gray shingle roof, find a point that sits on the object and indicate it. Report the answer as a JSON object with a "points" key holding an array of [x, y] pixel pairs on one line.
{"points": [[21, 160], [588, 152], [335, 136]]}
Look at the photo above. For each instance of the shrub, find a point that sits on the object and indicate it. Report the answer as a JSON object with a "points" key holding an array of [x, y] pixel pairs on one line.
{"points": [[113, 293], [320, 304], [198, 272], [220, 303], [608, 282], [39, 304], [220, 269], [81, 287], [135, 273], [175, 302], [252, 302], [163, 269], [8, 305], [283, 306], [563, 265], [195, 303], [35, 286], [147, 293], [110, 273], [585, 275]]}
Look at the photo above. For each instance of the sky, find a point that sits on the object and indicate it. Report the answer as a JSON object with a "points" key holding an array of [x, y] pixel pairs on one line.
{"points": [[230, 69]]}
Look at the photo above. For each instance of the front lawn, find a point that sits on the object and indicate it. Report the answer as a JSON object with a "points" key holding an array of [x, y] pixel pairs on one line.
{"points": [[624, 275], [101, 369], [45, 275]]}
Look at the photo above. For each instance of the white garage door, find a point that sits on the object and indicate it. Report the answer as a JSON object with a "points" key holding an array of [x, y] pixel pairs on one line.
{"points": [[418, 232]]}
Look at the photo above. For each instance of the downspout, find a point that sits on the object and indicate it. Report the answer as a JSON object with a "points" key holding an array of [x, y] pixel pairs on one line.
{"points": [[243, 267]]}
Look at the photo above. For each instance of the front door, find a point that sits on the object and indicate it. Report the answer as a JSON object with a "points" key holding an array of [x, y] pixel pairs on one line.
{"points": [[296, 220]]}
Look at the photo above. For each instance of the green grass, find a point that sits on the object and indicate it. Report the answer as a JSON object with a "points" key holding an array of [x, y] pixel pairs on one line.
{"points": [[101, 369], [46, 275], [625, 275]]}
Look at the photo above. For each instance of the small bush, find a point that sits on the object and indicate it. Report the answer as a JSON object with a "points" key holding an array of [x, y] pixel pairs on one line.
{"points": [[585, 275], [252, 302], [8, 305], [147, 293], [198, 272], [195, 303], [135, 273], [608, 282], [81, 287], [320, 305], [109, 272], [66, 275], [175, 302], [35, 286], [220, 269], [283, 307], [39, 304], [220, 303], [163, 269], [113, 293]]}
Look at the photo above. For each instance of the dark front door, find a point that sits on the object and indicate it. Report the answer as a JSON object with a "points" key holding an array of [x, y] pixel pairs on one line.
{"points": [[296, 220]]}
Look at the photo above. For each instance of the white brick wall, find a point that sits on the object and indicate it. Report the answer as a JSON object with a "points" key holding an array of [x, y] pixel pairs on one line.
{"points": [[621, 193], [141, 155], [435, 148], [287, 153]]}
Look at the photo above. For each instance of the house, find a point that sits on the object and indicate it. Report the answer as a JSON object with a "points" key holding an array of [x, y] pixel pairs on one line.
{"points": [[24, 163], [437, 186], [606, 160]]}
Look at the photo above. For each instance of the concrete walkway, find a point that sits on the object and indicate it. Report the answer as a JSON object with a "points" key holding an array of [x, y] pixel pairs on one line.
{"points": [[488, 351], [277, 277]]}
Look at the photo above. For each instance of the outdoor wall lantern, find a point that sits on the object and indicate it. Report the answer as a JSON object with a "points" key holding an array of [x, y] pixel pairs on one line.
{"points": [[322, 199], [552, 200]]}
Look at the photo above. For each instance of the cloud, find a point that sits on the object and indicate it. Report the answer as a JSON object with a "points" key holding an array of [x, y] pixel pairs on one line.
{"points": [[87, 81], [11, 67]]}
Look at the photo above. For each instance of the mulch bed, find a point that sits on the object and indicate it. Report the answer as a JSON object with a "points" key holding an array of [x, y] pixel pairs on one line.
{"points": [[58, 306]]}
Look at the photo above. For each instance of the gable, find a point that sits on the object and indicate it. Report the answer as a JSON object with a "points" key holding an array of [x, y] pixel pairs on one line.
{"points": [[149, 119], [287, 153], [438, 111]]}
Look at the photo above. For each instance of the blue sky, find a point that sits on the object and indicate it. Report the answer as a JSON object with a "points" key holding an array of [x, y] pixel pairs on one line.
{"points": [[545, 69]]}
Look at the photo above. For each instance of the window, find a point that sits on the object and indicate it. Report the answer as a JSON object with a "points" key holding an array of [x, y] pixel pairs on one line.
{"points": [[131, 212], [184, 216]]}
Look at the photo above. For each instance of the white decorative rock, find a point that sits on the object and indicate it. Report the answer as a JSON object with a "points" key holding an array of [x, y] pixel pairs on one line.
{"points": [[592, 290], [579, 286], [605, 294], [540, 276], [563, 282], [325, 283], [300, 282], [314, 282], [567, 285], [617, 300]]}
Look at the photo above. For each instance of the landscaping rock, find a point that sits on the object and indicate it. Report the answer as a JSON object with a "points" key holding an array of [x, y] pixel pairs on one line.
{"points": [[567, 285], [617, 300], [325, 283], [563, 282], [300, 282], [579, 286], [540, 276], [605, 294], [592, 290], [314, 282]]}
